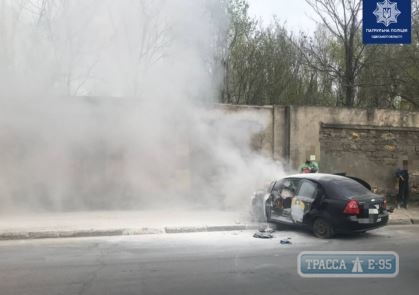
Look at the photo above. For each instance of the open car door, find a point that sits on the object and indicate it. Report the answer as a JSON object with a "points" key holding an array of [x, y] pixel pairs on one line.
{"points": [[281, 201], [303, 201]]}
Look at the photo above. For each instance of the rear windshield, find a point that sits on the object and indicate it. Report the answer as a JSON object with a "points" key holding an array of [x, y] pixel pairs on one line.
{"points": [[345, 188]]}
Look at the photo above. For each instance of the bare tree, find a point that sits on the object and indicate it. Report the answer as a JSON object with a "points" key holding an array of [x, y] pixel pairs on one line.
{"points": [[151, 40], [10, 18], [342, 20], [68, 47]]}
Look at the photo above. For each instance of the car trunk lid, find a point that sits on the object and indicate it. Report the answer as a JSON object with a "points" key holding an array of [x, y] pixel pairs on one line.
{"points": [[370, 206]]}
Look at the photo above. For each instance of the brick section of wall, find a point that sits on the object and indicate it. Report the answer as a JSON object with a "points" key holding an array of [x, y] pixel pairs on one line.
{"points": [[370, 152]]}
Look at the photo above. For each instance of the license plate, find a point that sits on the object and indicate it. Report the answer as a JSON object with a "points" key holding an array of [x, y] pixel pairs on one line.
{"points": [[379, 219], [373, 211]]}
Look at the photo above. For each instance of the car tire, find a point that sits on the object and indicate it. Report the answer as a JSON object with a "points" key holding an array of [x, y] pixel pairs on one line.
{"points": [[323, 229]]}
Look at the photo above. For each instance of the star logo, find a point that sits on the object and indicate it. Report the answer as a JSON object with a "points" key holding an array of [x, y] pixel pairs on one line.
{"points": [[387, 12]]}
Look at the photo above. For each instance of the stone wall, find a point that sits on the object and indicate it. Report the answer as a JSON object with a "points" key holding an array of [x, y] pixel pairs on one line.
{"points": [[369, 152], [256, 117], [368, 143], [305, 124]]}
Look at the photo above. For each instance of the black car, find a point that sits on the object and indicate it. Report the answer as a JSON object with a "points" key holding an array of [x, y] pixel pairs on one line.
{"points": [[326, 203]]}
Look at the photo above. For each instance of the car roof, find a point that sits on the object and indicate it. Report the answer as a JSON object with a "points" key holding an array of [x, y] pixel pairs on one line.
{"points": [[333, 183], [321, 178]]}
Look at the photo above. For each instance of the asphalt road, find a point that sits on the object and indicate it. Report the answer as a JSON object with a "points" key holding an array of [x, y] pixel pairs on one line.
{"points": [[197, 263]]}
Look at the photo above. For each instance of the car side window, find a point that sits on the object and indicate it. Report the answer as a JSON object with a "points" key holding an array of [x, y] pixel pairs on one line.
{"points": [[291, 184], [278, 186], [308, 189]]}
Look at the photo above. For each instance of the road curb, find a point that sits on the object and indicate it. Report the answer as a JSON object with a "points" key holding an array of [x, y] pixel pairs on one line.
{"points": [[184, 229], [149, 231], [211, 228], [76, 234], [120, 232]]}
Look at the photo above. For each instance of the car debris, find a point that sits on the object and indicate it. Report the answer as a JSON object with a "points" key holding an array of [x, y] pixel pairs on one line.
{"points": [[285, 241], [263, 235]]}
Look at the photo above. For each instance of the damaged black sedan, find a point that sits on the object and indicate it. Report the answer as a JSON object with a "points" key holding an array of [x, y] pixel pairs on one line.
{"points": [[326, 203]]}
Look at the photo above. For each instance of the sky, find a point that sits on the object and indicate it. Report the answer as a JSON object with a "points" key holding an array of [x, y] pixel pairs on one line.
{"points": [[295, 14]]}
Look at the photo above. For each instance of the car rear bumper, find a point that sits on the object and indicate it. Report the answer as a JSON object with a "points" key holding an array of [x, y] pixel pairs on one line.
{"points": [[354, 224]]}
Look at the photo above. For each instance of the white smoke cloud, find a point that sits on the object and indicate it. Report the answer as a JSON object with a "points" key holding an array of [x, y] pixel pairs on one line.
{"points": [[143, 137]]}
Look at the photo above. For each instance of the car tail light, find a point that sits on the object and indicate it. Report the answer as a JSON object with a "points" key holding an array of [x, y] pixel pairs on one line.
{"points": [[352, 208], [385, 204]]}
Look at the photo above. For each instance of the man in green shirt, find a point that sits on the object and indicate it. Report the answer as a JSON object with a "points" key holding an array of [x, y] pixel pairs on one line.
{"points": [[310, 166]]}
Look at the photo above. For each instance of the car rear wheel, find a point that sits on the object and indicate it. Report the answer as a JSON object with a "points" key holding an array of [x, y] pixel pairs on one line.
{"points": [[322, 229]]}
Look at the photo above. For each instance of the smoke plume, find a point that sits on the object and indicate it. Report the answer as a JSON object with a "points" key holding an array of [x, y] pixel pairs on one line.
{"points": [[110, 105]]}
